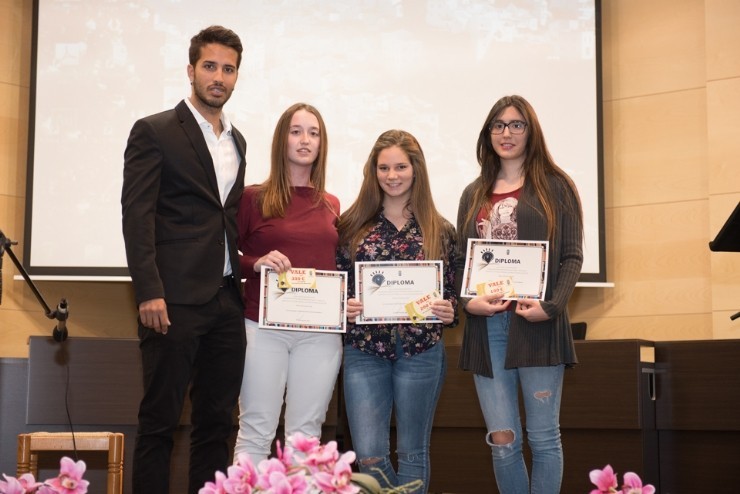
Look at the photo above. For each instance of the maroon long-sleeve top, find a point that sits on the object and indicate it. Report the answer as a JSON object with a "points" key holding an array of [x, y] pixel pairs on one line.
{"points": [[307, 235]]}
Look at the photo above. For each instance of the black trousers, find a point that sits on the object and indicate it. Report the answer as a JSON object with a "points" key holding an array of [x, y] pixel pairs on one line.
{"points": [[204, 347]]}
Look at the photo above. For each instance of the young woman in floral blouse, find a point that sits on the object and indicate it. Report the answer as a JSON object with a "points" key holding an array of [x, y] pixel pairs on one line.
{"points": [[395, 367]]}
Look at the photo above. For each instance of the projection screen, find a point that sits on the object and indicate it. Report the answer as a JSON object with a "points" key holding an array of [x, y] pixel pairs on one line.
{"points": [[431, 67]]}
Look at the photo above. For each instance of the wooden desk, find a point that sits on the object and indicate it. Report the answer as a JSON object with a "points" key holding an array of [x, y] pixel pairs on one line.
{"points": [[698, 415], [676, 422]]}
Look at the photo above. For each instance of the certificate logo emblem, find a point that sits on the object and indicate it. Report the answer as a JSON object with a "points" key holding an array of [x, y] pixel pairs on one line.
{"points": [[282, 282], [378, 279], [487, 256]]}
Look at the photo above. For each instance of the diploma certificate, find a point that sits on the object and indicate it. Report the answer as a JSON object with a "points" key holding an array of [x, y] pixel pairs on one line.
{"points": [[492, 263], [303, 299], [385, 288]]}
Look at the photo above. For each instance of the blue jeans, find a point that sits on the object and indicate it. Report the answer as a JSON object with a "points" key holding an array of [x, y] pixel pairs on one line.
{"points": [[541, 391], [410, 387]]}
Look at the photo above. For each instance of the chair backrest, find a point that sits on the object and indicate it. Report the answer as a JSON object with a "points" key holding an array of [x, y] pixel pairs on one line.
{"points": [[30, 444], [579, 330]]}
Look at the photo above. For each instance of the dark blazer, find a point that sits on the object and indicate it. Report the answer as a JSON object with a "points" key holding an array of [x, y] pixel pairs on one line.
{"points": [[173, 219]]}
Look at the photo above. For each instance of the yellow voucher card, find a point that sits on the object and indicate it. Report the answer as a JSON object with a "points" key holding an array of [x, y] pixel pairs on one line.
{"points": [[421, 308], [502, 286], [297, 278]]}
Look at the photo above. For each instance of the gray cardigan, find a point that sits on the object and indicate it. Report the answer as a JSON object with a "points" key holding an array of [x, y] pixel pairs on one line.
{"points": [[530, 344]]}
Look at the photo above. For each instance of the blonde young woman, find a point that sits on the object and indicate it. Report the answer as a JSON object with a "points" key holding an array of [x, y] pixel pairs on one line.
{"points": [[395, 367], [527, 343], [289, 220]]}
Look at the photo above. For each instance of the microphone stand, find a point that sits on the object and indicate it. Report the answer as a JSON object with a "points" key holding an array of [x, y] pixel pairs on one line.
{"points": [[60, 313]]}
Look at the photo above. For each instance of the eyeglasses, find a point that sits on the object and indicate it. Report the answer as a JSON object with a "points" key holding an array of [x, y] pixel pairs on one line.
{"points": [[515, 127]]}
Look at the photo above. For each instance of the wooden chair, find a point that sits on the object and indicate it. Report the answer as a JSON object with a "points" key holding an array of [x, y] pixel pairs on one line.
{"points": [[30, 444]]}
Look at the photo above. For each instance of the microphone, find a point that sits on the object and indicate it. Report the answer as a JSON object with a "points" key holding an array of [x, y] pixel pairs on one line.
{"points": [[61, 315]]}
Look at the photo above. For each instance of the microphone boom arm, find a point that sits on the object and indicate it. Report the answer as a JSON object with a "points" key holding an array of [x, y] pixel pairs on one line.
{"points": [[5, 246]]}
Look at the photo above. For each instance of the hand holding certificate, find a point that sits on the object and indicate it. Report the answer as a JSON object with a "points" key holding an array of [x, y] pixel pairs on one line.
{"points": [[303, 299], [514, 269], [398, 291]]}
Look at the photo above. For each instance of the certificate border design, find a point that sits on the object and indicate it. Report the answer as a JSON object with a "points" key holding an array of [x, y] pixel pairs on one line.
{"points": [[544, 245], [264, 323], [361, 266]]}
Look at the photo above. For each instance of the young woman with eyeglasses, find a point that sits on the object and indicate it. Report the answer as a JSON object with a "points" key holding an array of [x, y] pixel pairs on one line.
{"points": [[527, 343]]}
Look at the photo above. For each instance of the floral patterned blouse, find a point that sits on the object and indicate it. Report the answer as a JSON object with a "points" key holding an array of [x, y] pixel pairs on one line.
{"points": [[384, 242]]}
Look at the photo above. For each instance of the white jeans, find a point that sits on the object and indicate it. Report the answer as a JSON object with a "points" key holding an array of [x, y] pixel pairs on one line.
{"points": [[306, 364]]}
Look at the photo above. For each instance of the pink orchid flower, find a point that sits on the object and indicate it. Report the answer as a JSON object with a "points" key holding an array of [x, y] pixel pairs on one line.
{"points": [[12, 485], [242, 476], [303, 443], [45, 489], [287, 455], [633, 485], [70, 479], [340, 480], [322, 458], [265, 469], [605, 480], [214, 487], [277, 482]]}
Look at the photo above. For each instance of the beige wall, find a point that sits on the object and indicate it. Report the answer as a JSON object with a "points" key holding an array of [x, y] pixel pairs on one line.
{"points": [[671, 73]]}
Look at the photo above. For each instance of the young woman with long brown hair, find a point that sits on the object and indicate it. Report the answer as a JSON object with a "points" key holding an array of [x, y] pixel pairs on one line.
{"points": [[395, 368], [525, 343], [289, 220]]}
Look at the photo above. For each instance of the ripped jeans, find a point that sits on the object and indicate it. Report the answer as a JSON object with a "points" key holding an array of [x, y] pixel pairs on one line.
{"points": [[498, 396], [410, 387]]}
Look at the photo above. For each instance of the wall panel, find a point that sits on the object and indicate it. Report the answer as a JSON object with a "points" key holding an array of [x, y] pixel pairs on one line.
{"points": [[658, 147], [15, 45], [723, 129], [653, 47], [13, 139], [661, 328], [725, 265], [722, 38], [723, 328]]}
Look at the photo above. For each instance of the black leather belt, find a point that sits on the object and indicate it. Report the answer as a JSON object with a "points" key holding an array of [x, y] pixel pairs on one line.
{"points": [[228, 282]]}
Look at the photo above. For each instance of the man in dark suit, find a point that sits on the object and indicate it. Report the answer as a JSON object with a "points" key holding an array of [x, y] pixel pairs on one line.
{"points": [[182, 180]]}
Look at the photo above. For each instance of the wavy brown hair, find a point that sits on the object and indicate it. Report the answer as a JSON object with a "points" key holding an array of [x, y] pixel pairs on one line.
{"points": [[356, 221], [537, 167], [218, 35], [275, 191]]}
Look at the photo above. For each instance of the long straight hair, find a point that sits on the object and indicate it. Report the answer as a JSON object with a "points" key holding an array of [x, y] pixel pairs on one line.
{"points": [[275, 191], [356, 221], [537, 167]]}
